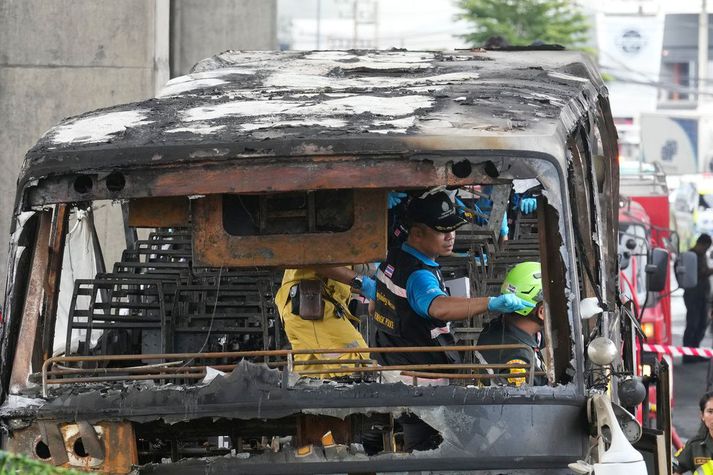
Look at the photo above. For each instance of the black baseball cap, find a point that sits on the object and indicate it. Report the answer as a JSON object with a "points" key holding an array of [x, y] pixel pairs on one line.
{"points": [[436, 210]]}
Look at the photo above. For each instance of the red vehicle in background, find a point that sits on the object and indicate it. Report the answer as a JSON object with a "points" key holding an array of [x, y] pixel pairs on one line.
{"points": [[644, 224]]}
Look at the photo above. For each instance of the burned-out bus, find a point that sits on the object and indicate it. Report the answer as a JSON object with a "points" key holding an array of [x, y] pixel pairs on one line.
{"points": [[149, 240]]}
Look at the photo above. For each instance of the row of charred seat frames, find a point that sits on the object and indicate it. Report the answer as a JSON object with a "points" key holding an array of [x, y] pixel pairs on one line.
{"points": [[154, 301]]}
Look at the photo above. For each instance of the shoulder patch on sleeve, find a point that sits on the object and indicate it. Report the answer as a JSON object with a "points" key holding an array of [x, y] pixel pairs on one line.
{"points": [[517, 381]]}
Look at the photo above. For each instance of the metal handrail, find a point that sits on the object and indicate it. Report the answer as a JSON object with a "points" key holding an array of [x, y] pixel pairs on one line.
{"points": [[189, 372]]}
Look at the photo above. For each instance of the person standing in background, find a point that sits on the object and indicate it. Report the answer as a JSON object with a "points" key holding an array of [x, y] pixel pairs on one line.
{"points": [[697, 300]]}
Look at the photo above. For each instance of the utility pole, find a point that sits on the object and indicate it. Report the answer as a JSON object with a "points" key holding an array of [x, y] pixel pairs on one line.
{"points": [[355, 34], [376, 25], [365, 14], [702, 51], [319, 24]]}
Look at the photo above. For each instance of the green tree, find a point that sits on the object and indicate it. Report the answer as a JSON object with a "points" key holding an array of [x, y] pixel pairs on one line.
{"points": [[520, 22], [18, 464]]}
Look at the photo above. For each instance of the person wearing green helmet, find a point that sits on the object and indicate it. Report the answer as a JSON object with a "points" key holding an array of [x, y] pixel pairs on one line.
{"points": [[521, 326]]}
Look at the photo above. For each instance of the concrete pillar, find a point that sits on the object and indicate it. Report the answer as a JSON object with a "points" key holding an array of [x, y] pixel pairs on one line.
{"points": [[198, 32], [59, 59]]}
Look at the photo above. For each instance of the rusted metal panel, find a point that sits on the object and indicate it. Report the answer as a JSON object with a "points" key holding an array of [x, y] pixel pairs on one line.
{"points": [[258, 176], [159, 212], [90, 440], [307, 174], [54, 277], [22, 363], [106, 447], [364, 242], [52, 437]]}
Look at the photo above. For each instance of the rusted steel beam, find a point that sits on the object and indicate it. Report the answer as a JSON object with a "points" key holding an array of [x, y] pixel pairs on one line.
{"points": [[246, 175], [169, 369], [422, 367], [365, 241], [200, 370], [311, 351], [22, 362], [314, 173], [429, 375], [137, 377], [54, 277]]}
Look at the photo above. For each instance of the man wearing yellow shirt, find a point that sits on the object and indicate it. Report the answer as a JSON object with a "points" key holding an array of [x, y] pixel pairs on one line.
{"points": [[335, 328]]}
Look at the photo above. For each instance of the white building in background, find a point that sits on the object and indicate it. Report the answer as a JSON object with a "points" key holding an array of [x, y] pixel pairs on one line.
{"points": [[629, 39], [382, 24], [649, 51]]}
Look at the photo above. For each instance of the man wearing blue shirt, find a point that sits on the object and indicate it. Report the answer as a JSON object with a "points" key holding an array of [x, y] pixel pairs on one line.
{"points": [[412, 306]]}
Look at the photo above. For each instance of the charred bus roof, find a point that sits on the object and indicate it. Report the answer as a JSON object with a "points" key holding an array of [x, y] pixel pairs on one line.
{"points": [[268, 123], [274, 106]]}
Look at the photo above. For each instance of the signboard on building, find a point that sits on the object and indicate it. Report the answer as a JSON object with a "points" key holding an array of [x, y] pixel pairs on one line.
{"points": [[630, 51], [680, 142]]}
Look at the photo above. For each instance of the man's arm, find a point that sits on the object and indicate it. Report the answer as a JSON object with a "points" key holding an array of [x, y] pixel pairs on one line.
{"points": [[460, 308], [427, 299], [345, 275], [457, 308]]}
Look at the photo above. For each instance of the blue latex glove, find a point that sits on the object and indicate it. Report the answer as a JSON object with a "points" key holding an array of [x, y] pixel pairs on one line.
{"points": [[395, 197], [504, 228], [507, 303], [368, 287], [528, 205]]}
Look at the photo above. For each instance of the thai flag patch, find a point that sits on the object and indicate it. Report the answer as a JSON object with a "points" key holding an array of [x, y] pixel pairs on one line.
{"points": [[389, 271]]}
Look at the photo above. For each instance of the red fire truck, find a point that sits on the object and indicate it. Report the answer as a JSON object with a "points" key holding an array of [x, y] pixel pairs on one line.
{"points": [[644, 225]]}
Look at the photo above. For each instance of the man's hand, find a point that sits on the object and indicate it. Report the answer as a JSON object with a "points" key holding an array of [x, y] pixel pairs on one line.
{"points": [[395, 197], [528, 205], [508, 303], [368, 287]]}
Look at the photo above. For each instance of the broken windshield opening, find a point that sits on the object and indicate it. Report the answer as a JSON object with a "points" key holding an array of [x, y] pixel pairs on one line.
{"points": [[160, 292]]}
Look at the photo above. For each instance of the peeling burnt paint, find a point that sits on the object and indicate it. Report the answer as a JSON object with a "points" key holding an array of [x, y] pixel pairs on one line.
{"points": [[330, 98], [475, 422], [254, 390]]}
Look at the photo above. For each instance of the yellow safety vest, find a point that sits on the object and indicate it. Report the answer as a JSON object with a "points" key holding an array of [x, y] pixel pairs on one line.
{"points": [[705, 469]]}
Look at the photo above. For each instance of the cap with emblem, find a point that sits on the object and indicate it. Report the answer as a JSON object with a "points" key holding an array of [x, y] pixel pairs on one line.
{"points": [[436, 210]]}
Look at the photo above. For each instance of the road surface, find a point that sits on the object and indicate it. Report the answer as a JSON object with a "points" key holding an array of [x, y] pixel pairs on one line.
{"points": [[689, 380]]}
